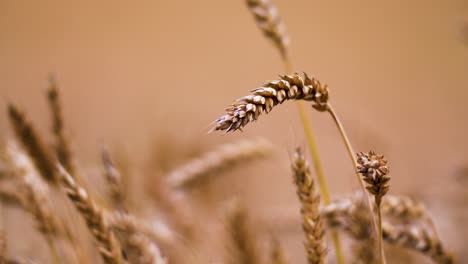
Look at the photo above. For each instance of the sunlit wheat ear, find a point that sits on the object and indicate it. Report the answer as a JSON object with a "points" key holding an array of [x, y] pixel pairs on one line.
{"points": [[267, 19], [310, 202], [61, 145], [93, 216], [419, 239], [223, 158], [32, 143], [263, 99]]}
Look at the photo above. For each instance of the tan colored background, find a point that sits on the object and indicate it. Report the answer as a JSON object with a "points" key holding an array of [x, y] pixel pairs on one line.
{"points": [[133, 71]]}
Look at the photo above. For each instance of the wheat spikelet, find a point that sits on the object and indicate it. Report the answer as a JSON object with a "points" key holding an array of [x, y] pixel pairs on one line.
{"points": [[61, 146], [244, 248], [141, 250], [92, 214], [113, 178], [263, 99], [310, 202], [32, 143], [267, 19], [214, 162], [419, 239]]}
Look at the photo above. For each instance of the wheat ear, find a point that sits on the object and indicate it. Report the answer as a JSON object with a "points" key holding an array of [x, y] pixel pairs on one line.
{"points": [[267, 18], [61, 146], [223, 158], [263, 99], [33, 144], [374, 171], [310, 201], [415, 237], [93, 216]]}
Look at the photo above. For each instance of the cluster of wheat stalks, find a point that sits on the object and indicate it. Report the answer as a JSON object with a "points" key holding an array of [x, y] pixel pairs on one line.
{"points": [[47, 184]]}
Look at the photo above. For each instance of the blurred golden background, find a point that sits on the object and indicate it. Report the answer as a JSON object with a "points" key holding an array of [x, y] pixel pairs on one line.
{"points": [[134, 73]]}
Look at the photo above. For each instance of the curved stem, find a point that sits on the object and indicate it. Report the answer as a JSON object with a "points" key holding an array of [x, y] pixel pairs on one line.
{"points": [[317, 164]]}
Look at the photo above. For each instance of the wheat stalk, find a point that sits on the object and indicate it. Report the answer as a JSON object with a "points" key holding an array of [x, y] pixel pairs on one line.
{"points": [[267, 19], [263, 99], [93, 216], [310, 202], [223, 158]]}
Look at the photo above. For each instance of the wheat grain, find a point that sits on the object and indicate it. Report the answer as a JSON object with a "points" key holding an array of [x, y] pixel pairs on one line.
{"points": [[267, 19], [93, 216], [310, 202], [223, 158], [263, 99]]}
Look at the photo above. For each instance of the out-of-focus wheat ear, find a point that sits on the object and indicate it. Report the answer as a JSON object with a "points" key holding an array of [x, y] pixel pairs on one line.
{"points": [[268, 20], [33, 144], [61, 146], [242, 242], [310, 203], [419, 239], [141, 250], [93, 216], [113, 179], [35, 197], [223, 158], [277, 255]]}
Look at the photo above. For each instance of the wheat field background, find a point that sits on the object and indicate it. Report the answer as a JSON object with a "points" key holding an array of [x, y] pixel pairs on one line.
{"points": [[135, 74]]}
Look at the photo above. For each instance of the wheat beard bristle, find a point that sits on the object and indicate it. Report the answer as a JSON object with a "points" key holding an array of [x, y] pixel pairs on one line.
{"points": [[289, 87]]}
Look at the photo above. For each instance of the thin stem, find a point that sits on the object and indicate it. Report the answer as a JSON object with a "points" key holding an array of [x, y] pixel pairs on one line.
{"points": [[317, 164], [351, 152], [379, 239]]}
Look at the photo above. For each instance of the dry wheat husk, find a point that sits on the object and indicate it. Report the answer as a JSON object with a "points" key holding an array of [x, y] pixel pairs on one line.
{"points": [[221, 159], [309, 197], [263, 99], [267, 19], [113, 179]]}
